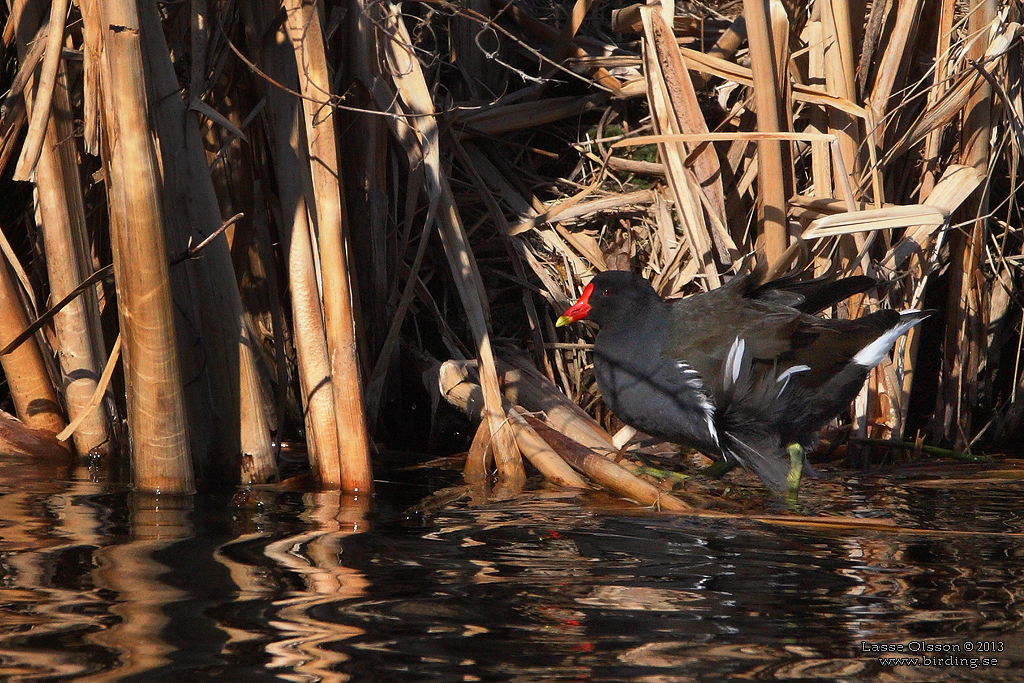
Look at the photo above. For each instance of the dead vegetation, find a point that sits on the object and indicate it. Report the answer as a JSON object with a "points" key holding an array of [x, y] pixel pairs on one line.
{"points": [[429, 184]]}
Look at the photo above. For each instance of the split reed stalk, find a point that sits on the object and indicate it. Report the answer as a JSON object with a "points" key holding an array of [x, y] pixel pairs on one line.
{"points": [[349, 469]]}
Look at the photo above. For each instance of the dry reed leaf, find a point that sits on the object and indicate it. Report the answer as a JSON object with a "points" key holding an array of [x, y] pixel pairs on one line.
{"points": [[641, 140], [903, 32], [586, 245], [933, 143], [495, 119], [691, 217], [209, 112], [573, 208], [953, 100], [683, 104], [875, 219], [714, 66], [955, 186]]}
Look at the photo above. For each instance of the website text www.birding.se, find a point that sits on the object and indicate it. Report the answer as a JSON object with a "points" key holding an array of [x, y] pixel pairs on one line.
{"points": [[970, 653]]}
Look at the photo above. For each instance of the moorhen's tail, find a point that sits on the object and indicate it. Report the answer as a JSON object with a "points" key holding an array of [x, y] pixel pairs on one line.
{"points": [[812, 296], [840, 389], [762, 411]]}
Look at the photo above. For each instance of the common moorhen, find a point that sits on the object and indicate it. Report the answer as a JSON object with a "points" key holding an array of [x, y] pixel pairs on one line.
{"points": [[745, 372]]}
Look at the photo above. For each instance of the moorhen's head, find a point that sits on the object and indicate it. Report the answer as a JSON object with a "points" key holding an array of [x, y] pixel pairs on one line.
{"points": [[611, 295]]}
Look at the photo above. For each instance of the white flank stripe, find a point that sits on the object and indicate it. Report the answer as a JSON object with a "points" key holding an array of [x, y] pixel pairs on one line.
{"points": [[872, 354], [734, 362], [693, 381], [709, 417], [787, 373]]}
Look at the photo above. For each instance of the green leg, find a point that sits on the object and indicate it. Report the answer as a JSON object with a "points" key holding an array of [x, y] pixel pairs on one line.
{"points": [[796, 468], [675, 477], [717, 469]]}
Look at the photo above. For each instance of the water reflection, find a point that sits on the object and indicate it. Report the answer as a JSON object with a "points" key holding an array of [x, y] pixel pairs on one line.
{"points": [[101, 584]]}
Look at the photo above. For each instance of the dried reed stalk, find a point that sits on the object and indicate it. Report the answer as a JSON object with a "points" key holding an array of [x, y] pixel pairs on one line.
{"points": [[603, 471], [365, 158], [942, 45], [413, 90], [156, 405], [837, 35], [770, 173], [965, 315], [39, 122], [35, 400], [456, 384], [667, 120], [63, 223]]}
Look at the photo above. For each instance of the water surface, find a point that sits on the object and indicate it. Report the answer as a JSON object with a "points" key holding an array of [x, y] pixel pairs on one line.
{"points": [[98, 583]]}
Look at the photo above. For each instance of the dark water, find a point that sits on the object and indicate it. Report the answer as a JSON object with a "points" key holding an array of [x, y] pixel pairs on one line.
{"points": [[101, 584]]}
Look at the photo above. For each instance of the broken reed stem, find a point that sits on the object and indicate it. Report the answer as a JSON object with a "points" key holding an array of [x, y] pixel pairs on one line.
{"points": [[35, 400], [63, 226], [39, 123], [412, 88]]}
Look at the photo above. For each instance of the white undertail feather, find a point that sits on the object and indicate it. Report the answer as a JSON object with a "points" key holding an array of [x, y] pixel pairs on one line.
{"points": [[872, 354]]}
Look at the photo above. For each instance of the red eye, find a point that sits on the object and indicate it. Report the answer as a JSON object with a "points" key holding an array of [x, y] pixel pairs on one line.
{"points": [[606, 292]]}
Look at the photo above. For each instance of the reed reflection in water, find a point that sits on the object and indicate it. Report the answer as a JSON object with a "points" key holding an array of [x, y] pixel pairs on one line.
{"points": [[100, 584]]}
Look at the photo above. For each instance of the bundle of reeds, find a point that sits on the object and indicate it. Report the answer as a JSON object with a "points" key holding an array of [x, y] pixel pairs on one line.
{"points": [[299, 198]]}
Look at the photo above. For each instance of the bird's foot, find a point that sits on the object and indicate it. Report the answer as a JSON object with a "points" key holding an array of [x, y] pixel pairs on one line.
{"points": [[676, 478], [717, 469], [796, 468]]}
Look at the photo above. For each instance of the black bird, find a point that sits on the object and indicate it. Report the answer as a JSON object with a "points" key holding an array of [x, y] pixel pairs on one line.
{"points": [[745, 372]]}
